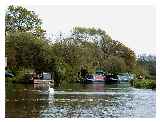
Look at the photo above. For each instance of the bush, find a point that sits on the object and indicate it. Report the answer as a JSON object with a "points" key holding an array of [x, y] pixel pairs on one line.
{"points": [[141, 83]]}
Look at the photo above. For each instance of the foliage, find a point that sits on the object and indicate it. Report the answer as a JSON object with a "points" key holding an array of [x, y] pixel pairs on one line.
{"points": [[18, 78], [104, 48], [20, 19], [29, 51], [146, 66], [115, 65], [148, 84], [66, 57]]}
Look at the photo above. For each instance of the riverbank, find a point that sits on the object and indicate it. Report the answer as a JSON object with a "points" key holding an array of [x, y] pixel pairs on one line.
{"points": [[144, 83]]}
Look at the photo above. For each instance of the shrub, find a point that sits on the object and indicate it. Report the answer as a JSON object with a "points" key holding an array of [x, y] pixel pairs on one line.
{"points": [[141, 83]]}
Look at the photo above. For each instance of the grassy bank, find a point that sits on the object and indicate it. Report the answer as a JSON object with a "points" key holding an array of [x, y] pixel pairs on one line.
{"points": [[144, 83]]}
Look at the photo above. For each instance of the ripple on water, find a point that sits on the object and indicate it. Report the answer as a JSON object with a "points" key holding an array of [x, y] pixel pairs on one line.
{"points": [[112, 102]]}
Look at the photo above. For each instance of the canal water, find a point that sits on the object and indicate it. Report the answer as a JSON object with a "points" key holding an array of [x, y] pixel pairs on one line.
{"points": [[77, 100]]}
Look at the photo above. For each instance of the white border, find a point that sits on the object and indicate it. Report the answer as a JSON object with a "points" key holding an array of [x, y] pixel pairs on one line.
{"points": [[2, 61], [155, 3], [81, 2], [158, 59]]}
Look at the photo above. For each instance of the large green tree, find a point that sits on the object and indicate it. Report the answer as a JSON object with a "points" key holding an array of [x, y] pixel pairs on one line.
{"points": [[25, 50], [26, 45], [85, 49], [20, 19], [105, 48]]}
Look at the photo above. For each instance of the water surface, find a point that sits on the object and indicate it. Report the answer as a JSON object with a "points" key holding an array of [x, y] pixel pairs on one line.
{"points": [[77, 100]]}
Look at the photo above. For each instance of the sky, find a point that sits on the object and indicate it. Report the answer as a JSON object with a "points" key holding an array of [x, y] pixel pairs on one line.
{"points": [[134, 26]]}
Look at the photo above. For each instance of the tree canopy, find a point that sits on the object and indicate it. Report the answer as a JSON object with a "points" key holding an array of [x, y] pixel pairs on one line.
{"points": [[146, 65], [20, 19], [84, 49]]}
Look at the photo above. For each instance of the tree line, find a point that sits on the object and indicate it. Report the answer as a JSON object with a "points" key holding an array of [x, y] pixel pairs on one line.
{"points": [[27, 47]]}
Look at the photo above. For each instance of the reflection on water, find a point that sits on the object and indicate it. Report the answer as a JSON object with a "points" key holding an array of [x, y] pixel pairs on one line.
{"points": [[76, 100]]}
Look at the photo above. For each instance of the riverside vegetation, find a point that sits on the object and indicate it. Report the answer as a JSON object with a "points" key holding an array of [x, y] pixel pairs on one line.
{"points": [[29, 49]]}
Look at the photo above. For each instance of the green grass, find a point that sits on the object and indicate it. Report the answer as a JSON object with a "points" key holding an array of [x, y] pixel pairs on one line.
{"points": [[144, 83]]}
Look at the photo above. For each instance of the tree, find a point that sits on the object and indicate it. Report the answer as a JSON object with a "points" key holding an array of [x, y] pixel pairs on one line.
{"points": [[20, 19], [105, 47], [28, 51], [115, 65], [147, 63]]}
